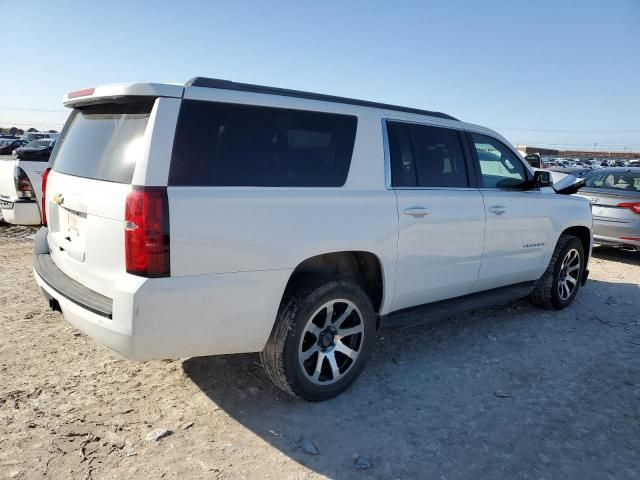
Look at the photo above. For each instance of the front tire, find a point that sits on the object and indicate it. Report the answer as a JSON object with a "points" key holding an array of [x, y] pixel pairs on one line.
{"points": [[322, 339], [560, 283]]}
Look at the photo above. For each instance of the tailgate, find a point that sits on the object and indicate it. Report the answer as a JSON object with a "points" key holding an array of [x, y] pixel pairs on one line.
{"points": [[86, 229], [86, 191]]}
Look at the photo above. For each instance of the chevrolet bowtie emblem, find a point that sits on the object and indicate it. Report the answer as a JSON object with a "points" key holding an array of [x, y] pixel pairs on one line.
{"points": [[58, 199]]}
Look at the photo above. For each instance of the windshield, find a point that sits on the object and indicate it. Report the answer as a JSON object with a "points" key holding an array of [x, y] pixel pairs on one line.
{"points": [[38, 144], [103, 142]]}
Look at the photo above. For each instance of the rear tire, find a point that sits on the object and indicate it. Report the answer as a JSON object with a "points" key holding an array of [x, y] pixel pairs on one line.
{"points": [[560, 283], [321, 340]]}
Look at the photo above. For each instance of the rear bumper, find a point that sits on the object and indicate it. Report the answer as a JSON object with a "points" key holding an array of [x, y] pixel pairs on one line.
{"points": [[22, 213], [616, 233], [171, 317]]}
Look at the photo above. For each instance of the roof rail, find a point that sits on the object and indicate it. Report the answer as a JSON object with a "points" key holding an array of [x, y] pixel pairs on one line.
{"points": [[247, 87]]}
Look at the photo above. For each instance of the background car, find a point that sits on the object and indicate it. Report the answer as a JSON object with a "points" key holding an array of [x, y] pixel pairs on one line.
{"points": [[40, 149], [614, 194], [31, 136], [7, 146]]}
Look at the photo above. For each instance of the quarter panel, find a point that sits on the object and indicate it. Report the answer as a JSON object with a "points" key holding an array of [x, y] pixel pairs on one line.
{"points": [[222, 230]]}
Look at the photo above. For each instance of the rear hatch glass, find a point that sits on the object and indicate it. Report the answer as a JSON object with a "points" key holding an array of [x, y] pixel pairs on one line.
{"points": [[103, 142]]}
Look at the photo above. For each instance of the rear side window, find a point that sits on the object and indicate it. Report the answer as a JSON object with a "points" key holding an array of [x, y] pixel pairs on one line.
{"points": [[219, 144], [426, 156], [620, 180], [103, 142]]}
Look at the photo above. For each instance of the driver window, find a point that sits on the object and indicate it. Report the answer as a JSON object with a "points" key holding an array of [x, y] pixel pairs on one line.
{"points": [[499, 166]]}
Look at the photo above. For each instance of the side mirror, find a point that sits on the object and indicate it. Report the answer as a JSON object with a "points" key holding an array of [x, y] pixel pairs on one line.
{"points": [[542, 179], [569, 185]]}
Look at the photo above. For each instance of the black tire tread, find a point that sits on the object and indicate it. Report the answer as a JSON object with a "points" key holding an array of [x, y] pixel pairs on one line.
{"points": [[305, 289], [542, 294]]}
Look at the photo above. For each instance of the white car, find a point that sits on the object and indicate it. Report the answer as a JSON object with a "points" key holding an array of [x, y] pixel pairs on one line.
{"points": [[21, 188], [218, 217]]}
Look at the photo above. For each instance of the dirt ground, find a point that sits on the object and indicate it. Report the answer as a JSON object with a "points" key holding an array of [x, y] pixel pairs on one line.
{"points": [[510, 392]]}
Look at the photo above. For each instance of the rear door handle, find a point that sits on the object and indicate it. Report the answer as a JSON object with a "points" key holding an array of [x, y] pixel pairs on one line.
{"points": [[417, 212], [497, 209]]}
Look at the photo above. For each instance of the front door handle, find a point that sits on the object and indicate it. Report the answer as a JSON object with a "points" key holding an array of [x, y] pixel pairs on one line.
{"points": [[497, 209], [417, 212]]}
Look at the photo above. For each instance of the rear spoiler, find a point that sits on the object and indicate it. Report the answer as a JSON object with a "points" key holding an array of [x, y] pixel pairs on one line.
{"points": [[104, 93]]}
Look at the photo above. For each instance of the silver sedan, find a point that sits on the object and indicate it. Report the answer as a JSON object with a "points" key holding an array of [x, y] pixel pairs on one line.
{"points": [[614, 194]]}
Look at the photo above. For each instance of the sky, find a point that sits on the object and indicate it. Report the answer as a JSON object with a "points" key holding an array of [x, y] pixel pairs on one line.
{"points": [[555, 73]]}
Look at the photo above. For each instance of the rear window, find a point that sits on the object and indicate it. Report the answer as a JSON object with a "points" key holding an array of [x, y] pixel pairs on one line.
{"points": [[218, 144], [103, 142], [617, 180]]}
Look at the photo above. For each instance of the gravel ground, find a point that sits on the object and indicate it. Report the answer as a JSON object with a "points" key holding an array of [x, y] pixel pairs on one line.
{"points": [[511, 392]]}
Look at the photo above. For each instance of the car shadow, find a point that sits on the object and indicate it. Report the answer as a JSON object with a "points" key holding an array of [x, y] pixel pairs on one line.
{"points": [[613, 254], [489, 393]]}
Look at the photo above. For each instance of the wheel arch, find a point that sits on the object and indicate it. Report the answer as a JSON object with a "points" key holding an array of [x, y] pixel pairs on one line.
{"points": [[584, 235], [362, 267]]}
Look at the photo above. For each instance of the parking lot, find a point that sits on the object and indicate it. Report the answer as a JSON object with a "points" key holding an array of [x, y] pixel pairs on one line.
{"points": [[508, 392]]}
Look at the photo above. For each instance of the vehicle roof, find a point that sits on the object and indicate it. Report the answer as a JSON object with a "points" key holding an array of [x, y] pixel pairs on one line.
{"points": [[173, 90], [617, 170], [100, 93], [285, 92]]}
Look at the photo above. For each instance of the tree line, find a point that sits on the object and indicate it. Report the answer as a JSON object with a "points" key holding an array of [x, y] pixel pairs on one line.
{"points": [[19, 131]]}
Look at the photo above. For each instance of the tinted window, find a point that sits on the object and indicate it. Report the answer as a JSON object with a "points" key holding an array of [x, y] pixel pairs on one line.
{"points": [[499, 166], [619, 180], [425, 156], [219, 144], [102, 141]]}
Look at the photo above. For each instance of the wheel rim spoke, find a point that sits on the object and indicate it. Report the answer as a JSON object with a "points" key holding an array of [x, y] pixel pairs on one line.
{"points": [[313, 329], [571, 279], [345, 332], [349, 352], [308, 353], [335, 371], [344, 316], [327, 320], [318, 369], [573, 267]]}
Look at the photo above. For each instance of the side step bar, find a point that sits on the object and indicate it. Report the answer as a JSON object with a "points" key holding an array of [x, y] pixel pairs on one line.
{"points": [[454, 306]]}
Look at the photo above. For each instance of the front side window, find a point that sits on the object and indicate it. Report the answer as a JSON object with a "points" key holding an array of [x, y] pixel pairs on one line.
{"points": [[499, 166], [425, 156], [223, 145]]}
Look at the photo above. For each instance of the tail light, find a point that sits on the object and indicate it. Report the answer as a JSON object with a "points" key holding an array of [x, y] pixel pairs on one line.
{"points": [[146, 235], [45, 176], [24, 188], [633, 206]]}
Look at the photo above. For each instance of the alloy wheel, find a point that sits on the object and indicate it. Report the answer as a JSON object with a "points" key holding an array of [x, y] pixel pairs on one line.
{"points": [[569, 275], [331, 342]]}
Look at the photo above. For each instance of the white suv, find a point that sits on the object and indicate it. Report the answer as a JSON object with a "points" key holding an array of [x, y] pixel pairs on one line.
{"points": [[218, 217]]}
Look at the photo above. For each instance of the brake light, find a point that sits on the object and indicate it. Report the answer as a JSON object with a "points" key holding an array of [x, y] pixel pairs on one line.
{"points": [[633, 206], [146, 235], [24, 188], [45, 176], [81, 93]]}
